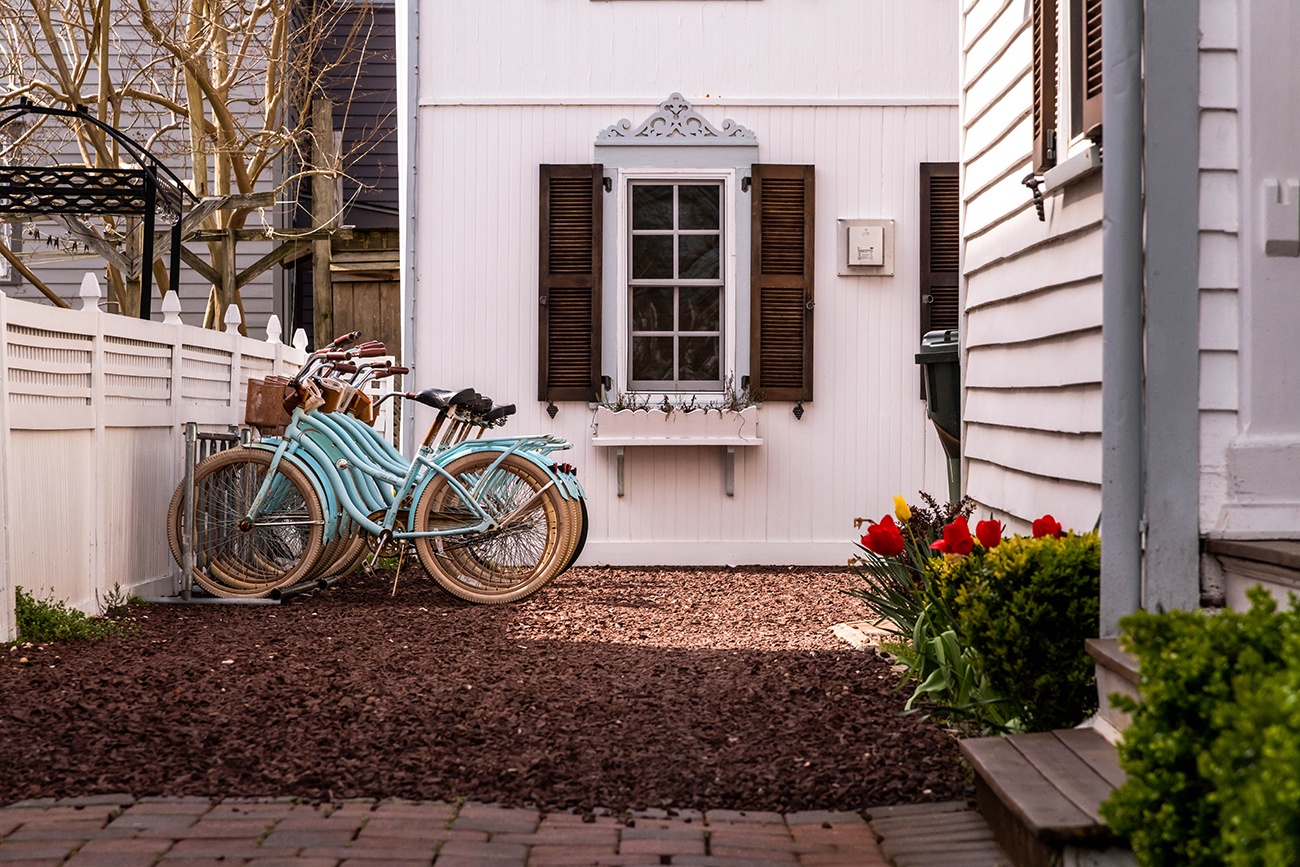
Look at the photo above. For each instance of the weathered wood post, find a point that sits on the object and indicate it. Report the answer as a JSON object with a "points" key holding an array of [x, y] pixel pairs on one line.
{"points": [[324, 211]]}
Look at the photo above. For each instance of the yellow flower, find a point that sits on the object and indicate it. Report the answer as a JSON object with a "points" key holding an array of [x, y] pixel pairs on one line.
{"points": [[901, 509]]}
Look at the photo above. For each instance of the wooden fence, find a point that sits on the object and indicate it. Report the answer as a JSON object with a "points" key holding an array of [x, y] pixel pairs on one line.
{"points": [[92, 409]]}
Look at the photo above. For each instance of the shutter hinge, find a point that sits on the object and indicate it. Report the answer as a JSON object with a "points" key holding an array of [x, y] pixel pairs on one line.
{"points": [[809, 304], [608, 184], [745, 182], [1034, 182], [543, 300]]}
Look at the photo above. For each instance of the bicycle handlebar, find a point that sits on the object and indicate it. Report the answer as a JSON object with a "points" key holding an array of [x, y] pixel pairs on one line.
{"points": [[342, 340]]}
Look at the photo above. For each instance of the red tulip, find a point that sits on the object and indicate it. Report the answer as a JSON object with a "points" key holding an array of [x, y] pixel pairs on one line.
{"points": [[956, 538], [1047, 526], [989, 533], [884, 538]]}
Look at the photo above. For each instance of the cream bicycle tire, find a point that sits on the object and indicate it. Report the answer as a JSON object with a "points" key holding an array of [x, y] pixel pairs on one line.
{"points": [[500, 567]]}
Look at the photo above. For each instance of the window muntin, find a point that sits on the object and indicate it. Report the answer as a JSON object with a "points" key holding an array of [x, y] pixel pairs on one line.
{"points": [[676, 285]]}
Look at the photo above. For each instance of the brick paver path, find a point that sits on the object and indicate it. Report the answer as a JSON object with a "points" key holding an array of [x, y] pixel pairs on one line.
{"points": [[122, 831]]}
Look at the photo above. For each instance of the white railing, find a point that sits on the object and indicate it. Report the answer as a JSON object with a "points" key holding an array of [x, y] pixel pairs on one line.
{"points": [[92, 411]]}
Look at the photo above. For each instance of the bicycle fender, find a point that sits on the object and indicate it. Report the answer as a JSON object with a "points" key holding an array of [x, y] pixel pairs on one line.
{"points": [[565, 483], [309, 467]]}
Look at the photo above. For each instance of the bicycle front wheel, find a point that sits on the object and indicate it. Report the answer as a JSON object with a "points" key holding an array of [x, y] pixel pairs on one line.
{"points": [[238, 554], [527, 549]]}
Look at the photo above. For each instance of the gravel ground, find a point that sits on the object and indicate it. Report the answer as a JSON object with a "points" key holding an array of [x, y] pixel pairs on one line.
{"points": [[615, 688]]}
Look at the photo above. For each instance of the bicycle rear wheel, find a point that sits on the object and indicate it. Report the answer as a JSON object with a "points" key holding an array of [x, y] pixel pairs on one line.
{"points": [[514, 560], [239, 557]]}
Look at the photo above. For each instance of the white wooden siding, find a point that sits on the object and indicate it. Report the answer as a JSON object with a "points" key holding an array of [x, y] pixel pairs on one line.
{"points": [[528, 52], [865, 92], [1032, 292], [862, 440], [1219, 266]]}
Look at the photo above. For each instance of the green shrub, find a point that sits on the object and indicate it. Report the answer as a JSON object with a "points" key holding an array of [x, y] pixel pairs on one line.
{"points": [[1257, 761], [44, 621], [1212, 755], [1026, 607]]}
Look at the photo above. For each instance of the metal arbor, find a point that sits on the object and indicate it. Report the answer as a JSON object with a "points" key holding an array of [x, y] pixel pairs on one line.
{"points": [[149, 192]]}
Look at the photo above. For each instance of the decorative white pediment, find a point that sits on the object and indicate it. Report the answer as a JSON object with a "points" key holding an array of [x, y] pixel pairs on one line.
{"points": [[676, 123]]}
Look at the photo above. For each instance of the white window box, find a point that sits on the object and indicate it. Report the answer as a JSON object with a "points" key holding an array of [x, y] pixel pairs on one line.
{"points": [[654, 427]]}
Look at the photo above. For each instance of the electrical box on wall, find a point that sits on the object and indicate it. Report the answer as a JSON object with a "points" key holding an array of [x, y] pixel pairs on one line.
{"points": [[865, 247]]}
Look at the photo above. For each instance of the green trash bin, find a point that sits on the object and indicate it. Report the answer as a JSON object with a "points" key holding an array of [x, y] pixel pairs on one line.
{"points": [[940, 361]]}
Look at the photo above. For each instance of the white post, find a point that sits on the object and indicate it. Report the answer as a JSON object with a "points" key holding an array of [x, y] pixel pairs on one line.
{"points": [[300, 340], [273, 329], [97, 561], [236, 358], [171, 309], [90, 292]]}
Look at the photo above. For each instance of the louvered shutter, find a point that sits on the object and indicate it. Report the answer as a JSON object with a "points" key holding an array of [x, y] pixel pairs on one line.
{"points": [[1044, 70], [1087, 69], [940, 246], [569, 272], [781, 289]]}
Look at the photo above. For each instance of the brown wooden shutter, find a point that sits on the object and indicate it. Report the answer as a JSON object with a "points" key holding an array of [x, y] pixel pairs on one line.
{"points": [[781, 287], [1044, 36], [1087, 68], [940, 246], [568, 298]]}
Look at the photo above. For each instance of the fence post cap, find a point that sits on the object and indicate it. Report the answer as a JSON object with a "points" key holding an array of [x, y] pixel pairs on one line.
{"points": [[90, 292], [273, 329], [171, 308], [233, 318], [300, 339]]}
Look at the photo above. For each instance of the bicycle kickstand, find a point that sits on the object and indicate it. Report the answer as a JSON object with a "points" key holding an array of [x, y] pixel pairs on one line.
{"points": [[401, 556], [385, 537]]}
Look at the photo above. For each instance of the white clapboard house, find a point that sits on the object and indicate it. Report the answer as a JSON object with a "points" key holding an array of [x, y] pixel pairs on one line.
{"points": [[613, 204], [1130, 353]]}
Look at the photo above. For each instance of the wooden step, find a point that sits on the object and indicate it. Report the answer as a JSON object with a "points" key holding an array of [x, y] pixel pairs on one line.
{"points": [[1117, 672], [1040, 792], [1271, 563]]}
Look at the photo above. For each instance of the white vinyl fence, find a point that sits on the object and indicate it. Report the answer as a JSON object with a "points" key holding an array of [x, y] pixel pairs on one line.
{"points": [[92, 411]]}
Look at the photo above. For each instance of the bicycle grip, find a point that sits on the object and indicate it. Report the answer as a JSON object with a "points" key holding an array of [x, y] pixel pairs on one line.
{"points": [[343, 340], [372, 351], [345, 367], [397, 370]]}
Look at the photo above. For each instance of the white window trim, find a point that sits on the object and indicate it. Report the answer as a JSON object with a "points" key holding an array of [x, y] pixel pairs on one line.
{"points": [[1075, 142], [622, 311]]}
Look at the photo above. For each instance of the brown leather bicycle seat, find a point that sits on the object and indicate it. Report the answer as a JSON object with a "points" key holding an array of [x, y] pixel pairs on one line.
{"points": [[441, 398]]}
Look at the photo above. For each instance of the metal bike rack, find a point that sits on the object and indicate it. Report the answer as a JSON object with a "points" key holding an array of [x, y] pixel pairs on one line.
{"points": [[198, 447]]}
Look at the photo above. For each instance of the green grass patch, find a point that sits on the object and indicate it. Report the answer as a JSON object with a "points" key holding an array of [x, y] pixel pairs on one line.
{"points": [[44, 621]]}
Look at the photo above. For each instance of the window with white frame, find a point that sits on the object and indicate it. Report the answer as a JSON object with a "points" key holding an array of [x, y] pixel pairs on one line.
{"points": [[676, 264], [676, 286]]}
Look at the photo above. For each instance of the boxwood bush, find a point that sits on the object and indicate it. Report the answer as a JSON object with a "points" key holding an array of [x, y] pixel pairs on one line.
{"points": [[1026, 607], [1213, 753]]}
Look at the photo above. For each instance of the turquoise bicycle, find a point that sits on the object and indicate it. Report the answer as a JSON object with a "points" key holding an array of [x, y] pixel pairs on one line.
{"points": [[491, 520]]}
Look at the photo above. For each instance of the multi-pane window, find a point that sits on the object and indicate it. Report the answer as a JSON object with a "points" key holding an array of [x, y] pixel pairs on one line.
{"points": [[676, 285]]}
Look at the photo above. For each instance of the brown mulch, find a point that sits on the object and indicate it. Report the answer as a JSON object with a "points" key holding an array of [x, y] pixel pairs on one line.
{"points": [[617, 688]]}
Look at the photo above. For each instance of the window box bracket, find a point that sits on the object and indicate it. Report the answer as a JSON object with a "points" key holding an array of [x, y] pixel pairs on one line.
{"points": [[730, 429]]}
